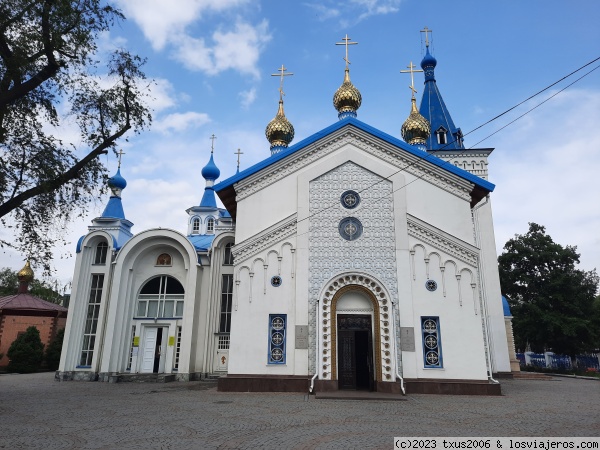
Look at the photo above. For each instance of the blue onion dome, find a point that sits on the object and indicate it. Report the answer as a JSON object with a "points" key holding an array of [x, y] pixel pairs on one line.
{"points": [[347, 98], [279, 131], [211, 171], [117, 181], [416, 129], [428, 65]]}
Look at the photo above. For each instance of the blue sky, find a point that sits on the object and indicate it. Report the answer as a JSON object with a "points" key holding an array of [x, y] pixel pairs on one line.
{"points": [[212, 61]]}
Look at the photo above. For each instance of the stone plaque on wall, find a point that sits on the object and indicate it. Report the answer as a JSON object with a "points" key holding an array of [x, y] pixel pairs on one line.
{"points": [[301, 336], [407, 339]]}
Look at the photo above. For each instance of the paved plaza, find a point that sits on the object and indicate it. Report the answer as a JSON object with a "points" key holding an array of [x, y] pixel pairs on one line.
{"points": [[37, 412]]}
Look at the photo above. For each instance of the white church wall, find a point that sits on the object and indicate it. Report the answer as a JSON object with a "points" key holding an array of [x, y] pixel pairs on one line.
{"points": [[455, 301], [78, 306], [492, 295]]}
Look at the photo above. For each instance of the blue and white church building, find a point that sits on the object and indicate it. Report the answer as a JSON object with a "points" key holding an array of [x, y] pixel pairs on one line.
{"points": [[351, 260]]}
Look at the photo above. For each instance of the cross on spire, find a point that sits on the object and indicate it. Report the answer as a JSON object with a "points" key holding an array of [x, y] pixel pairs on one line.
{"points": [[347, 42], [238, 153], [282, 69], [212, 144], [426, 31], [120, 153], [411, 70]]}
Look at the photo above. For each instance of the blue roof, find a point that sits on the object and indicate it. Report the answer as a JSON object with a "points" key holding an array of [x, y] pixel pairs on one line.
{"points": [[505, 307], [201, 242], [434, 110], [351, 121], [225, 213], [208, 199], [114, 208]]}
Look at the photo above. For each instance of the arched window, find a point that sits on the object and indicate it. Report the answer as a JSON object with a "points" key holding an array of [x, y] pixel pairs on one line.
{"points": [[164, 259], [228, 258], [210, 226], [441, 135], [195, 225], [161, 296], [101, 252]]}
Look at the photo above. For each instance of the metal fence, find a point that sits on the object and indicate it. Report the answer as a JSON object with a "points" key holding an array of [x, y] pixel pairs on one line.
{"points": [[551, 360]]}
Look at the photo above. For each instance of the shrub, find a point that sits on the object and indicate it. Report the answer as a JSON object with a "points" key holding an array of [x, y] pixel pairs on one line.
{"points": [[26, 352], [54, 349]]}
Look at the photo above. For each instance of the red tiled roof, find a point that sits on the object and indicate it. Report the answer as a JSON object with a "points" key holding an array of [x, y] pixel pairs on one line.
{"points": [[28, 302]]}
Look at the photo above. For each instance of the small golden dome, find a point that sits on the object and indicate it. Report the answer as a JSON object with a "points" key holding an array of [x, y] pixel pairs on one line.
{"points": [[25, 274], [279, 131], [347, 98], [416, 129]]}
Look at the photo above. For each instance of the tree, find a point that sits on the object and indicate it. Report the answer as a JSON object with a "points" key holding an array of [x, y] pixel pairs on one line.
{"points": [[44, 289], [26, 352], [54, 349], [48, 63], [552, 301]]}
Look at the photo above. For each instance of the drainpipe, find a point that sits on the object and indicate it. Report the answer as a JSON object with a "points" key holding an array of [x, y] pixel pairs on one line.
{"points": [[483, 306], [312, 381], [398, 359]]}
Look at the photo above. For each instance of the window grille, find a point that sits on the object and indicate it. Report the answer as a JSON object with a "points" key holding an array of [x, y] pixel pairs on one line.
{"points": [[162, 296], [210, 226], [195, 226], [130, 360], [91, 321], [228, 258], [101, 252], [277, 336], [223, 342], [177, 349], [432, 346]]}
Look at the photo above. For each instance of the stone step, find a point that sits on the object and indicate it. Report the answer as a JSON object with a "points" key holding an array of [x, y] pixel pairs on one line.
{"points": [[530, 376], [145, 378]]}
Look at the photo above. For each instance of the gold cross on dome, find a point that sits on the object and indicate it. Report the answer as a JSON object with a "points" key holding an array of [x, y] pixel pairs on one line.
{"points": [[426, 31], [238, 153], [347, 42], [212, 145], [411, 70], [120, 153], [282, 74]]}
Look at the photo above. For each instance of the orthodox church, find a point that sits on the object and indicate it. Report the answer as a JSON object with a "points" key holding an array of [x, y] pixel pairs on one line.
{"points": [[350, 260]]}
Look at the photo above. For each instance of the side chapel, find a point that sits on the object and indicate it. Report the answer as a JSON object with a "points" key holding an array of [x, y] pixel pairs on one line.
{"points": [[350, 260]]}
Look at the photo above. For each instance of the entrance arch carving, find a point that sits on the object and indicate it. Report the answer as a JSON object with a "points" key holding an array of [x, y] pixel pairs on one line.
{"points": [[380, 299]]}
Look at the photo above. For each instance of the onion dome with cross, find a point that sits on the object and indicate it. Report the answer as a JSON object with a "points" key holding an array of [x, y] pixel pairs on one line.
{"points": [[279, 131], [347, 98]]}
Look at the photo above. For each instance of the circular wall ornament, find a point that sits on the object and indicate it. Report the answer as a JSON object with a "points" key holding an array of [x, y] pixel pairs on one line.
{"points": [[277, 354], [429, 326], [276, 281], [278, 323], [350, 199], [350, 228], [430, 285]]}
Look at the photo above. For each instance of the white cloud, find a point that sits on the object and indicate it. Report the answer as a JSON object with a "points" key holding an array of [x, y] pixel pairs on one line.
{"points": [[161, 19], [181, 121], [545, 168], [353, 11], [248, 97], [238, 49]]}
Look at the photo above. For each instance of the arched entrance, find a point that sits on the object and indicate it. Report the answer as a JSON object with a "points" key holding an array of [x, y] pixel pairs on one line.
{"points": [[359, 303], [354, 311]]}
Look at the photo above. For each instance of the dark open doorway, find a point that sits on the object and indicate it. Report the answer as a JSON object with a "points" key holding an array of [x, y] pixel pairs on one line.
{"points": [[355, 352]]}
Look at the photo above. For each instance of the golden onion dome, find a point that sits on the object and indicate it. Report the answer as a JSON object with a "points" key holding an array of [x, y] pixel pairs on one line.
{"points": [[25, 274], [279, 131], [416, 129], [347, 98]]}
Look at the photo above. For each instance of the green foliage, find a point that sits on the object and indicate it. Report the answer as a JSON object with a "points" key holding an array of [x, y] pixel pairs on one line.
{"points": [[54, 349], [552, 301], [44, 289], [50, 70], [26, 352]]}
